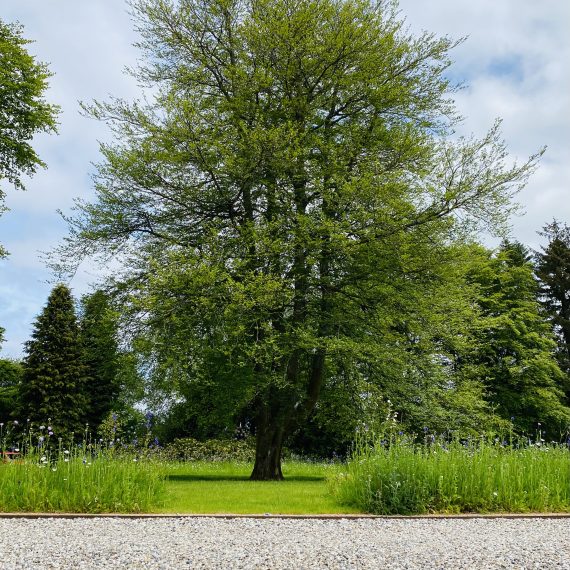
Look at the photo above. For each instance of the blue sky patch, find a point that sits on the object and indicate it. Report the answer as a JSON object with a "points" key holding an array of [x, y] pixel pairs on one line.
{"points": [[507, 67]]}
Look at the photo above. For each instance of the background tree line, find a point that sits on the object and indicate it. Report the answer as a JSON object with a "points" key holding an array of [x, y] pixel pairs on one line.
{"points": [[74, 373], [499, 363]]}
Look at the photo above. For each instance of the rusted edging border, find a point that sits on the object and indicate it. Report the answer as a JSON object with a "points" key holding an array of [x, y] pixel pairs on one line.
{"points": [[278, 516]]}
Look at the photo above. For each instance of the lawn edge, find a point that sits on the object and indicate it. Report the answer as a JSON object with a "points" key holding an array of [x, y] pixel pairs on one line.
{"points": [[280, 516]]}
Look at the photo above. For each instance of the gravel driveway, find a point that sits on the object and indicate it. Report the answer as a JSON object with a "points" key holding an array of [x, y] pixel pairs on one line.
{"points": [[172, 543]]}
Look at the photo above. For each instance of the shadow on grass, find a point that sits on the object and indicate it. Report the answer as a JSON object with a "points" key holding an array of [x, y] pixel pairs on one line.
{"points": [[222, 477]]}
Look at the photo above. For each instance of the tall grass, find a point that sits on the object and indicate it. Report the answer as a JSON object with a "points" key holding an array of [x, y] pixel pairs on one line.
{"points": [[480, 477], [48, 476]]}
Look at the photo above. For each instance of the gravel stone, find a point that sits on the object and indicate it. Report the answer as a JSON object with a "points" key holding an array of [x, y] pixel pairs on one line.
{"points": [[273, 544]]}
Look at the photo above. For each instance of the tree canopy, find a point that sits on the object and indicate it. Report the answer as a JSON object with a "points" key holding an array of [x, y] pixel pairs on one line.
{"points": [[23, 111], [285, 205], [23, 108], [98, 333], [514, 352], [10, 378]]}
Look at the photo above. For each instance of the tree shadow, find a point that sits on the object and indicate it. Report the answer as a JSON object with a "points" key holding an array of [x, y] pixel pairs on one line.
{"points": [[223, 477]]}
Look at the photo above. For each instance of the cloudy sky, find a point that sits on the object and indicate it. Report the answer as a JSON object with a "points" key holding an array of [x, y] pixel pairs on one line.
{"points": [[514, 64]]}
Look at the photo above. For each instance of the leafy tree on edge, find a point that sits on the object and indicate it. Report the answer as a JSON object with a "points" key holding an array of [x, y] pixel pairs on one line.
{"points": [[285, 203], [23, 109]]}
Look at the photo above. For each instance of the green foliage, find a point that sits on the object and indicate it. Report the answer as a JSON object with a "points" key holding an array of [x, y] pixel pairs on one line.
{"points": [[189, 449], [347, 404], [553, 272], [11, 373], [8, 402], [23, 109], [193, 404], [285, 203], [127, 426], [442, 477], [99, 331], [54, 379], [515, 348], [412, 370]]}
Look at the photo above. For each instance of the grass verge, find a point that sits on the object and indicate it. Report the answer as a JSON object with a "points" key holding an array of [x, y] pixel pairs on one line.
{"points": [[95, 485]]}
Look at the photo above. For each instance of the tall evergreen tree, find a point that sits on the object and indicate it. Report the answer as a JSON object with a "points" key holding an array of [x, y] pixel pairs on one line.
{"points": [[54, 378], [553, 272], [99, 338], [515, 351]]}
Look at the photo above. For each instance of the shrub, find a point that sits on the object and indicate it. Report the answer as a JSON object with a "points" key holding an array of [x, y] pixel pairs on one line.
{"points": [[189, 449]]}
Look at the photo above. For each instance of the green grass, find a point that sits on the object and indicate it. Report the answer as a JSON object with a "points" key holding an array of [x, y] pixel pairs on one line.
{"points": [[202, 487], [401, 478], [118, 484], [452, 478], [98, 485]]}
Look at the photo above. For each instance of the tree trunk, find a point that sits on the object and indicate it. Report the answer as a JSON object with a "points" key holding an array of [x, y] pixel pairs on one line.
{"points": [[268, 447]]}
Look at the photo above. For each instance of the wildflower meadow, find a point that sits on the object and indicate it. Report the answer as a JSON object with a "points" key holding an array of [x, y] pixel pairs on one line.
{"points": [[399, 475], [41, 472]]}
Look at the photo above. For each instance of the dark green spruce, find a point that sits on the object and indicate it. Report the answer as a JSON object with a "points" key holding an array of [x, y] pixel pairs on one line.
{"points": [[515, 350], [553, 272], [99, 339], [55, 376]]}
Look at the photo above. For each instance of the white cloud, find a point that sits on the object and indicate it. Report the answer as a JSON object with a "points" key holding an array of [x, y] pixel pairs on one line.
{"points": [[515, 64], [87, 45]]}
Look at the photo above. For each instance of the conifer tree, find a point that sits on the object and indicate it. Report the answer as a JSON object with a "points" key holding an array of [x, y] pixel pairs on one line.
{"points": [[553, 272], [54, 379], [10, 377], [99, 338], [515, 353]]}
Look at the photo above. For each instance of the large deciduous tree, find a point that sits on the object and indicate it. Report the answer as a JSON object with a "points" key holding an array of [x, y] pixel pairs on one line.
{"points": [[54, 376], [283, 203]]}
